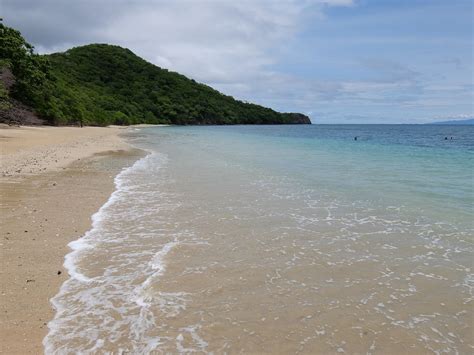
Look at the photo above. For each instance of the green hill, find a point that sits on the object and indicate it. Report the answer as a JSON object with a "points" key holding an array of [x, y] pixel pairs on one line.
{"points": [[101, 84]]}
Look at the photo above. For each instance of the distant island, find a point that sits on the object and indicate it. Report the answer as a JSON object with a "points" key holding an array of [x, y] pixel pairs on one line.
{"points": [[101, 84], [469, 121]]}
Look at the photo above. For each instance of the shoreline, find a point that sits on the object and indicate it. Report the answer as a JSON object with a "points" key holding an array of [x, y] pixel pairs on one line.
{"points": [[53, 180], [32, 150]]}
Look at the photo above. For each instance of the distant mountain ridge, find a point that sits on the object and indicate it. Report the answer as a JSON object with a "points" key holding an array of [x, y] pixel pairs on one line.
{"points": [[469, 121], [102, 84]]}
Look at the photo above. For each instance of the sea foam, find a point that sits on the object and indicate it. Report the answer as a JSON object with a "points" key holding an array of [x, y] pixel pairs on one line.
{"points": [[259, 241], [87, 296]]}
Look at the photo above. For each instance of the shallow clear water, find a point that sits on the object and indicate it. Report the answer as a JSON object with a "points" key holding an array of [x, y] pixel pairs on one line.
{"points": [[279, 239]]}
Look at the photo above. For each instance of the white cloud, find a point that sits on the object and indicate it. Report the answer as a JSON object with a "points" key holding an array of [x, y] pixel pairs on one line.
{"points": [[238, 46], [212, 41], [228, 44]]}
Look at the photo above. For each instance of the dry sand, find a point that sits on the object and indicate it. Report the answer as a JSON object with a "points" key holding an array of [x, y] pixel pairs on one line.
{"points": [[30, 150], [53, 180]]}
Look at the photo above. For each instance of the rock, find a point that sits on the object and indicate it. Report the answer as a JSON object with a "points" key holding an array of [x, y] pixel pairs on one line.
{"points": [[298, 118]]}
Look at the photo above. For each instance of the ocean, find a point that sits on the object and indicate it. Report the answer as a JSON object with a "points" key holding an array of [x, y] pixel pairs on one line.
{"points": [[279, 239]]}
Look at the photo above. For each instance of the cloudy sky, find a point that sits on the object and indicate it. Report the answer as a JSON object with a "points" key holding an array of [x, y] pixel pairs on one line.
{"points": [[339, 61]]}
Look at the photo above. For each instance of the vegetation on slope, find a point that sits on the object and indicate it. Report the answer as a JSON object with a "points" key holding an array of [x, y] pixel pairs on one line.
{"points": [[29, 70], [101, 84]]}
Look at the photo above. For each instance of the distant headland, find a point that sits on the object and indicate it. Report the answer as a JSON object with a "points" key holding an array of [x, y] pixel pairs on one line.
{"points": [[469, 121], [101, 84]]}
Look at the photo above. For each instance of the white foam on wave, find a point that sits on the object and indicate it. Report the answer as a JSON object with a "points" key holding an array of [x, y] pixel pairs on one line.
{"points": [[91, 294], [86, 242], [143, 298], [190, 336]]}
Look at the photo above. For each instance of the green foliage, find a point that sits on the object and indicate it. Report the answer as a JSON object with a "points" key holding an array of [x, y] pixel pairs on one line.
{"points": [[101, 84], [31, 70], [4, 102]]}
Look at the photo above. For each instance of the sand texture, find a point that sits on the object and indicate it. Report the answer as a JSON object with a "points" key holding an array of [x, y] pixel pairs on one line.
{"points": [[30, 150], [53, 180]]}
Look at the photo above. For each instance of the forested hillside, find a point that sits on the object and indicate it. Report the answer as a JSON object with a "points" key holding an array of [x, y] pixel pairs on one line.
{"points": [[101, 84]]}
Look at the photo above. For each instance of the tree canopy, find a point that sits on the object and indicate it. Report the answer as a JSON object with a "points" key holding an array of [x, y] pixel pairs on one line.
{"points": [[101, 84], [31, 70]]}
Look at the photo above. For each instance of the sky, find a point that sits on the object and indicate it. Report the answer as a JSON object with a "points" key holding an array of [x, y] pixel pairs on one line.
{"points": [[338, 61]]}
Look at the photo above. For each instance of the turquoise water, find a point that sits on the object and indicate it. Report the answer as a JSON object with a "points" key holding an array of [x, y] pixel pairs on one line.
{"points": [[281, 239], [409, 165]]}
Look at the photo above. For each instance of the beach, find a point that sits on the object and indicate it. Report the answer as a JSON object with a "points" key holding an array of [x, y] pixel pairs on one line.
{"points": [[277, 239], [53, 180], [221, 177], [252, 239]]}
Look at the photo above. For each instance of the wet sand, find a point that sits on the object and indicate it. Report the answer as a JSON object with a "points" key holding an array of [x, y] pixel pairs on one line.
{"points": [[53, 180]]}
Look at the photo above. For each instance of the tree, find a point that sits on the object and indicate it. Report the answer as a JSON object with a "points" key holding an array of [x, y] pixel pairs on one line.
{"points": [[100, 84], [31, 70]]}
